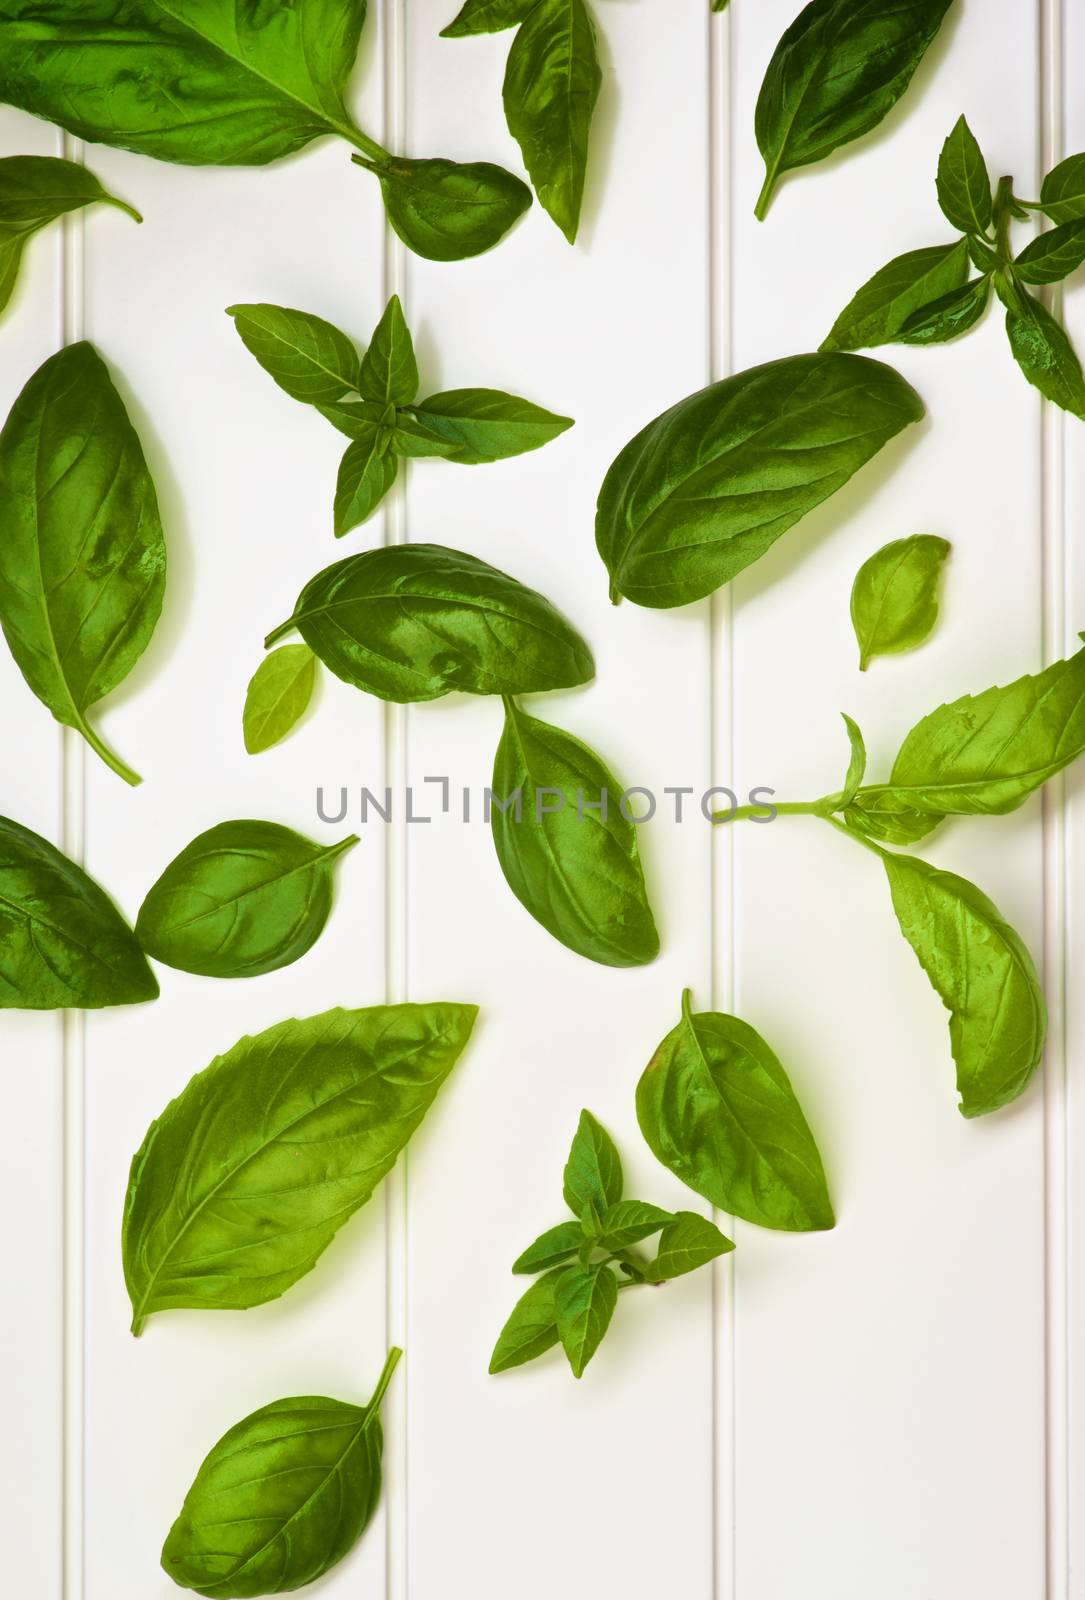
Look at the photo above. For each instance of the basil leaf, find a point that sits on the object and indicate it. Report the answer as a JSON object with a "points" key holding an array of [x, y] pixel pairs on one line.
{"points": [[356, 418], [308, 357], [389, 371], [949, 316], [281, 1498], [686, 1243], [584, 1301], [448, 210], [593, 1172], [719, 5], [984, 975], [894, 599], [628, 1221], [578, 872], [82, 559], [243, 898], [366, 473], [886, 817], [838, 70], [984, 259], [710, 485], [62, 940], [247, 1176], [856, 764], [35, 191], [552, 82], [882, 307], [532, 1328], [413, 622], [487, 16], [487, 425], [1053, 256], [410, 437], [717, 1109], [278, 696], [551, 1248], [1043, 351], [1062, 196], [964, 184]]}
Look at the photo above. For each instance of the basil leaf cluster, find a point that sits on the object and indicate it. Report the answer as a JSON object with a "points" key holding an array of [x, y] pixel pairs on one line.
{"points": [[894, 599], [35, 191]]}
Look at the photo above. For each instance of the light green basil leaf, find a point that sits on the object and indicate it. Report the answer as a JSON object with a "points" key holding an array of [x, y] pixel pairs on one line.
{"points": [[410, 437], [243, 898], [245, 1178], [856, 764], [356, 418], [1043, 351], [1063, 193], [593, 1172], [278, 696], [686, 1243], [591, 1229], [1053, 256], [886, 818], [949, 316], [584, 1301], [82, 558], [35, 191], [366, 473], [281, 1497], [838, 70], [389, 371], [487, 425], [717, 1109], [62, 940], [964, 184], [486, 16], [577, 871], [308, 357], [628, 1221], [552, 82], [413, 622], [532, 1328], [551, 1248], [880, 309], [894, 599], [448, 210], [710, 485]]}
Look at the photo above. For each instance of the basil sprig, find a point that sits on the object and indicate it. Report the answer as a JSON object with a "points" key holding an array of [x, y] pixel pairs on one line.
{"points": [[35, 191], [586, 1262]]}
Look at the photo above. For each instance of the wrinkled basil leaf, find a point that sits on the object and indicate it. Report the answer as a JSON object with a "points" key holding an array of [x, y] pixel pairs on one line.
{"points": [[487, 16], [551, 1248], [308, 357], [389, 371], [532, 1327], [964, 184], [35, 191], [366, 473], [584, 1301], [1043, 351], [278, 696], [686, 1243], [881, 309], [448, 210], [894, 599], [593, 1172], [487, 425], [949, 316], [1063, 193]]}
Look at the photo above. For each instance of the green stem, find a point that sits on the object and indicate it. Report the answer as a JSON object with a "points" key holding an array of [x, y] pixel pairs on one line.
{"points": [[761, 208], [361, 141], [112, 761], [390, 1365], [1003, 213], [797, 808], [280, 632], [342, 847]]}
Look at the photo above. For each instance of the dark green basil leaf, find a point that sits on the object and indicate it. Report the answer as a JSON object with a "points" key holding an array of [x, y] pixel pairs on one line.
{"points": [[628, 1221], [1043, 351], [686, 1243], [964, 184], [718, 1110], [577, 871], [366, 473], [532, 1328], [1063, 192], [552, 82], [247, 1176], [62, 940], [82, 558], [278, 696], [243, 898], [949, 316], [416, 621], [881, 308], [34, 191], [308, 357], [1053, 256], [551, 1248], [856, 763], [584, 1301], [448, 210], [410, 437], [984, 259], [593, 1172], [486, 16], [719, 5], [838, 70], [281, 1497], [710, 485], [894, 599], [487, 425], [389, 371]]}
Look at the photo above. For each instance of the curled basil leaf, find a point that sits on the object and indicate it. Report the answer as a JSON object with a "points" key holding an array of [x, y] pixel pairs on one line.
{"points": [[894, 599], [35, 191], [278, 696], [449, 210], [949, 316], [856, 762], [905, 287]]}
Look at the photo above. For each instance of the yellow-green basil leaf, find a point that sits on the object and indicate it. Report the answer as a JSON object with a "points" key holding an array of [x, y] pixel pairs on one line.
{"points": [[366, 473], [532, 1327], [629, 1221], [1063, 193], [82, 558], [417, 621], [685, 1244], [882, 307], [243, 898], [1043, 351], [34, 191], [389, 371], [593, 1172], [717, 1109], [245, 1178], [856, 763], [487, 16], [62, 940], [281, 1497], [576, 869], [551, 1248], [894, 599], [308, 357], [584, 1301], [885, 817], [964, 184], [949, 316], [487, 425], [448, 210], [1053, 256], [710, 485], [278, 696], [552, 82]]}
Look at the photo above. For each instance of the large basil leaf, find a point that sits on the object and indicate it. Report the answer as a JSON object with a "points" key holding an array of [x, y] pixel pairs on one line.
{"points": [[278, 696], [879, 311], [62, 940], [717, 1108], [710, 485], [281, 1497], [34, 191], [243, 898], [894, 599], [686, 1243], [532, 1327], [964, 184], [448, 210], [593, 1172], [308, 357], [487, 16], [82, 559], [838, 70], [1062, 196], [584, 1301], [247, 1176], [487, 425], [552, 82], [417, 621], [577, 871], [1053, 256]]}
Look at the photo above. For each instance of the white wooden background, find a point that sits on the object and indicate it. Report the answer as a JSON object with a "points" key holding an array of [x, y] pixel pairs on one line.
{"points": [[891, 1409]]}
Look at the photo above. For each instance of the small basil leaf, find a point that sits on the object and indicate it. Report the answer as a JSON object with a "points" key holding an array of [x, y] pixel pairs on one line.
{"points": [[417, 621], [1053, 256], [887, 818], [389, 371], [686, 1243], [1043, 351], [356, 418], [593, 1172], [487, 425], [308, 357], [856, 765], [964, 184], [628, 1221], [35, 191], [591, 1227], [411, 437], [278, 696], [366, 473], [949, 316], [243, 898], [532, 1327], [710, 485], [584, 1301], [838, 70], [894, 599], [551, 85], [1062, 196], [486, 16], [281, 1497], [578, 872], [551, 1248], [62, 940], [245, 1178], [983, 257], [717, 1109], [448, 210], [881, 308]]}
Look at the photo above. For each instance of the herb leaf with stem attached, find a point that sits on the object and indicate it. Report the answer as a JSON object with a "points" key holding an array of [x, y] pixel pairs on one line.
{"points": [[35, 191]]}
